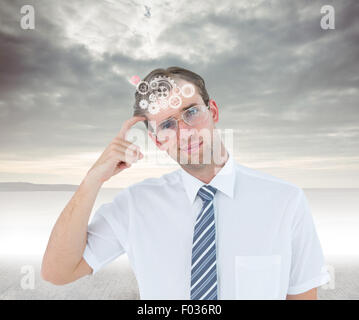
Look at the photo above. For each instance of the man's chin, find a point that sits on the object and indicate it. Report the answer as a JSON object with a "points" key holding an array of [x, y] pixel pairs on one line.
{"points": [[193, 167], [194, 159]]}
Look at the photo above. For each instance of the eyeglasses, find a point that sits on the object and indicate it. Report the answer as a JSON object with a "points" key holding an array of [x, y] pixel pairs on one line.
{"points": [[191, 116]]}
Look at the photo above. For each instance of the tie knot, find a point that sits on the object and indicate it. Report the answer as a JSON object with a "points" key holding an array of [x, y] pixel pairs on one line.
{"points": [[207, 192]]}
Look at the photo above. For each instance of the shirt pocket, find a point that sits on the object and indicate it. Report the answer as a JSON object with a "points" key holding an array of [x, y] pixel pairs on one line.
{"points": [[257, 277]]}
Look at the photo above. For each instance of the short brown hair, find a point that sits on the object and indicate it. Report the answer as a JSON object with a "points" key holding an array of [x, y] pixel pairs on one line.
{"points": [[174, 73]]}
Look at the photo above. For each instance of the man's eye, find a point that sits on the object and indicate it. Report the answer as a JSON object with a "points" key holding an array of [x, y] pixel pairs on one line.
{"points": [[192, 112], [166, 125]]}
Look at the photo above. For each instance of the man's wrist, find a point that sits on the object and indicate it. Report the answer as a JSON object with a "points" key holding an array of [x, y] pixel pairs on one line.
{"points": [[93, 179]]}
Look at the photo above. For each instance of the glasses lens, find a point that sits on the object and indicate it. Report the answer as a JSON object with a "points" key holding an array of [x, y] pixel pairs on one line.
{"points": [[168, 124], [195, 114]]}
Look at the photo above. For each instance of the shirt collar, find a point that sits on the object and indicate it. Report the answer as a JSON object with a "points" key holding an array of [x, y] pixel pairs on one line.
{"points": [[223, 181]]}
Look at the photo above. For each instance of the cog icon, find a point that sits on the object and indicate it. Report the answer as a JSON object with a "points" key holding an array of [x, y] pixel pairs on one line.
{"points": [[188, 90], [162, 92], [164, 79], [142, 87], [156, 93], [153, 108], [163, 103], [177, 91], [154, 84], [143, 104], [174, 101], [164, 86], [152, 97]]}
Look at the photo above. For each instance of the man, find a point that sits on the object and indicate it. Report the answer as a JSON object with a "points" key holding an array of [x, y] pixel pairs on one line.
{"points": [[213, 229]]}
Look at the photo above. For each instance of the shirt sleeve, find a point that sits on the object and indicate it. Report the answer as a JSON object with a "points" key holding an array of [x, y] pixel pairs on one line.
{"points": [[308, 268], [107, 234]]}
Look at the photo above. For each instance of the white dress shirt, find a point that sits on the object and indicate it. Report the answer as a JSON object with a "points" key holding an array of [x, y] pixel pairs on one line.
{"points": [[267, 245]]}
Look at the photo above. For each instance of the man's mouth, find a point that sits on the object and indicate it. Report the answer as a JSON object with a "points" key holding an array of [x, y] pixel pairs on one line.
{"points": [[193, 147]]}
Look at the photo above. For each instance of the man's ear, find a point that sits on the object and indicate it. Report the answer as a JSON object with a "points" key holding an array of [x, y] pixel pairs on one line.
{"points": [[214, 110]]}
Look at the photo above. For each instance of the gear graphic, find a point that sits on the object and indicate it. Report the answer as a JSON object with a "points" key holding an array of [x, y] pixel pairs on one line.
{"points": [[152, 97], [162, 92], [163, 103], [188, 90], [177, 91], [161, 79], [142, 87], [157, 93], [163, 82], [143, 104], [153, 108], [154, 84], [174, 101]]}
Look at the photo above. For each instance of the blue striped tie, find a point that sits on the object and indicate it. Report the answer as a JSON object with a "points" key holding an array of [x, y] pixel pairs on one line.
{"points": [[204, 268]]}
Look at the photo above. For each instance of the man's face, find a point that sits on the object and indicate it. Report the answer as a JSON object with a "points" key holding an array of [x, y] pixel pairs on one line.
{"points": [[189, 145]]}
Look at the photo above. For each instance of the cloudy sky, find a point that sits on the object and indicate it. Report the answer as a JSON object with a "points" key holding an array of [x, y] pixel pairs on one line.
{"points": [[288, 89]]}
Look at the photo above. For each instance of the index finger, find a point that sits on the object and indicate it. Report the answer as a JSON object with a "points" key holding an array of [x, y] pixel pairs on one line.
{"points": [[128, 124]]}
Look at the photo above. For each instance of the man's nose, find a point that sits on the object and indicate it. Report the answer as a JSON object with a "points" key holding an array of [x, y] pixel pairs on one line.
{"points": [[184, 130], [183, 125]]}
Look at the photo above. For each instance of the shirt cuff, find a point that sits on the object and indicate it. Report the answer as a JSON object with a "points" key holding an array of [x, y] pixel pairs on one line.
{"points": [[318, 281], [91, 260]]}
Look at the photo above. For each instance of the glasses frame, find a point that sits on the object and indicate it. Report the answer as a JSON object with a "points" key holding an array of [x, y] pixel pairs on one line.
{"points": [[181, 118]]}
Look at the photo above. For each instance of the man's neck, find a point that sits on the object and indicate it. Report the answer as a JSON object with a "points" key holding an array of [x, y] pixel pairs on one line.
{"points": [[208, 172]]}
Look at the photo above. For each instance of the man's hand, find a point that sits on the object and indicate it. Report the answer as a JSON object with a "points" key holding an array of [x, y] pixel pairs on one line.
{"points": [[308, 295], [119, 154]]}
